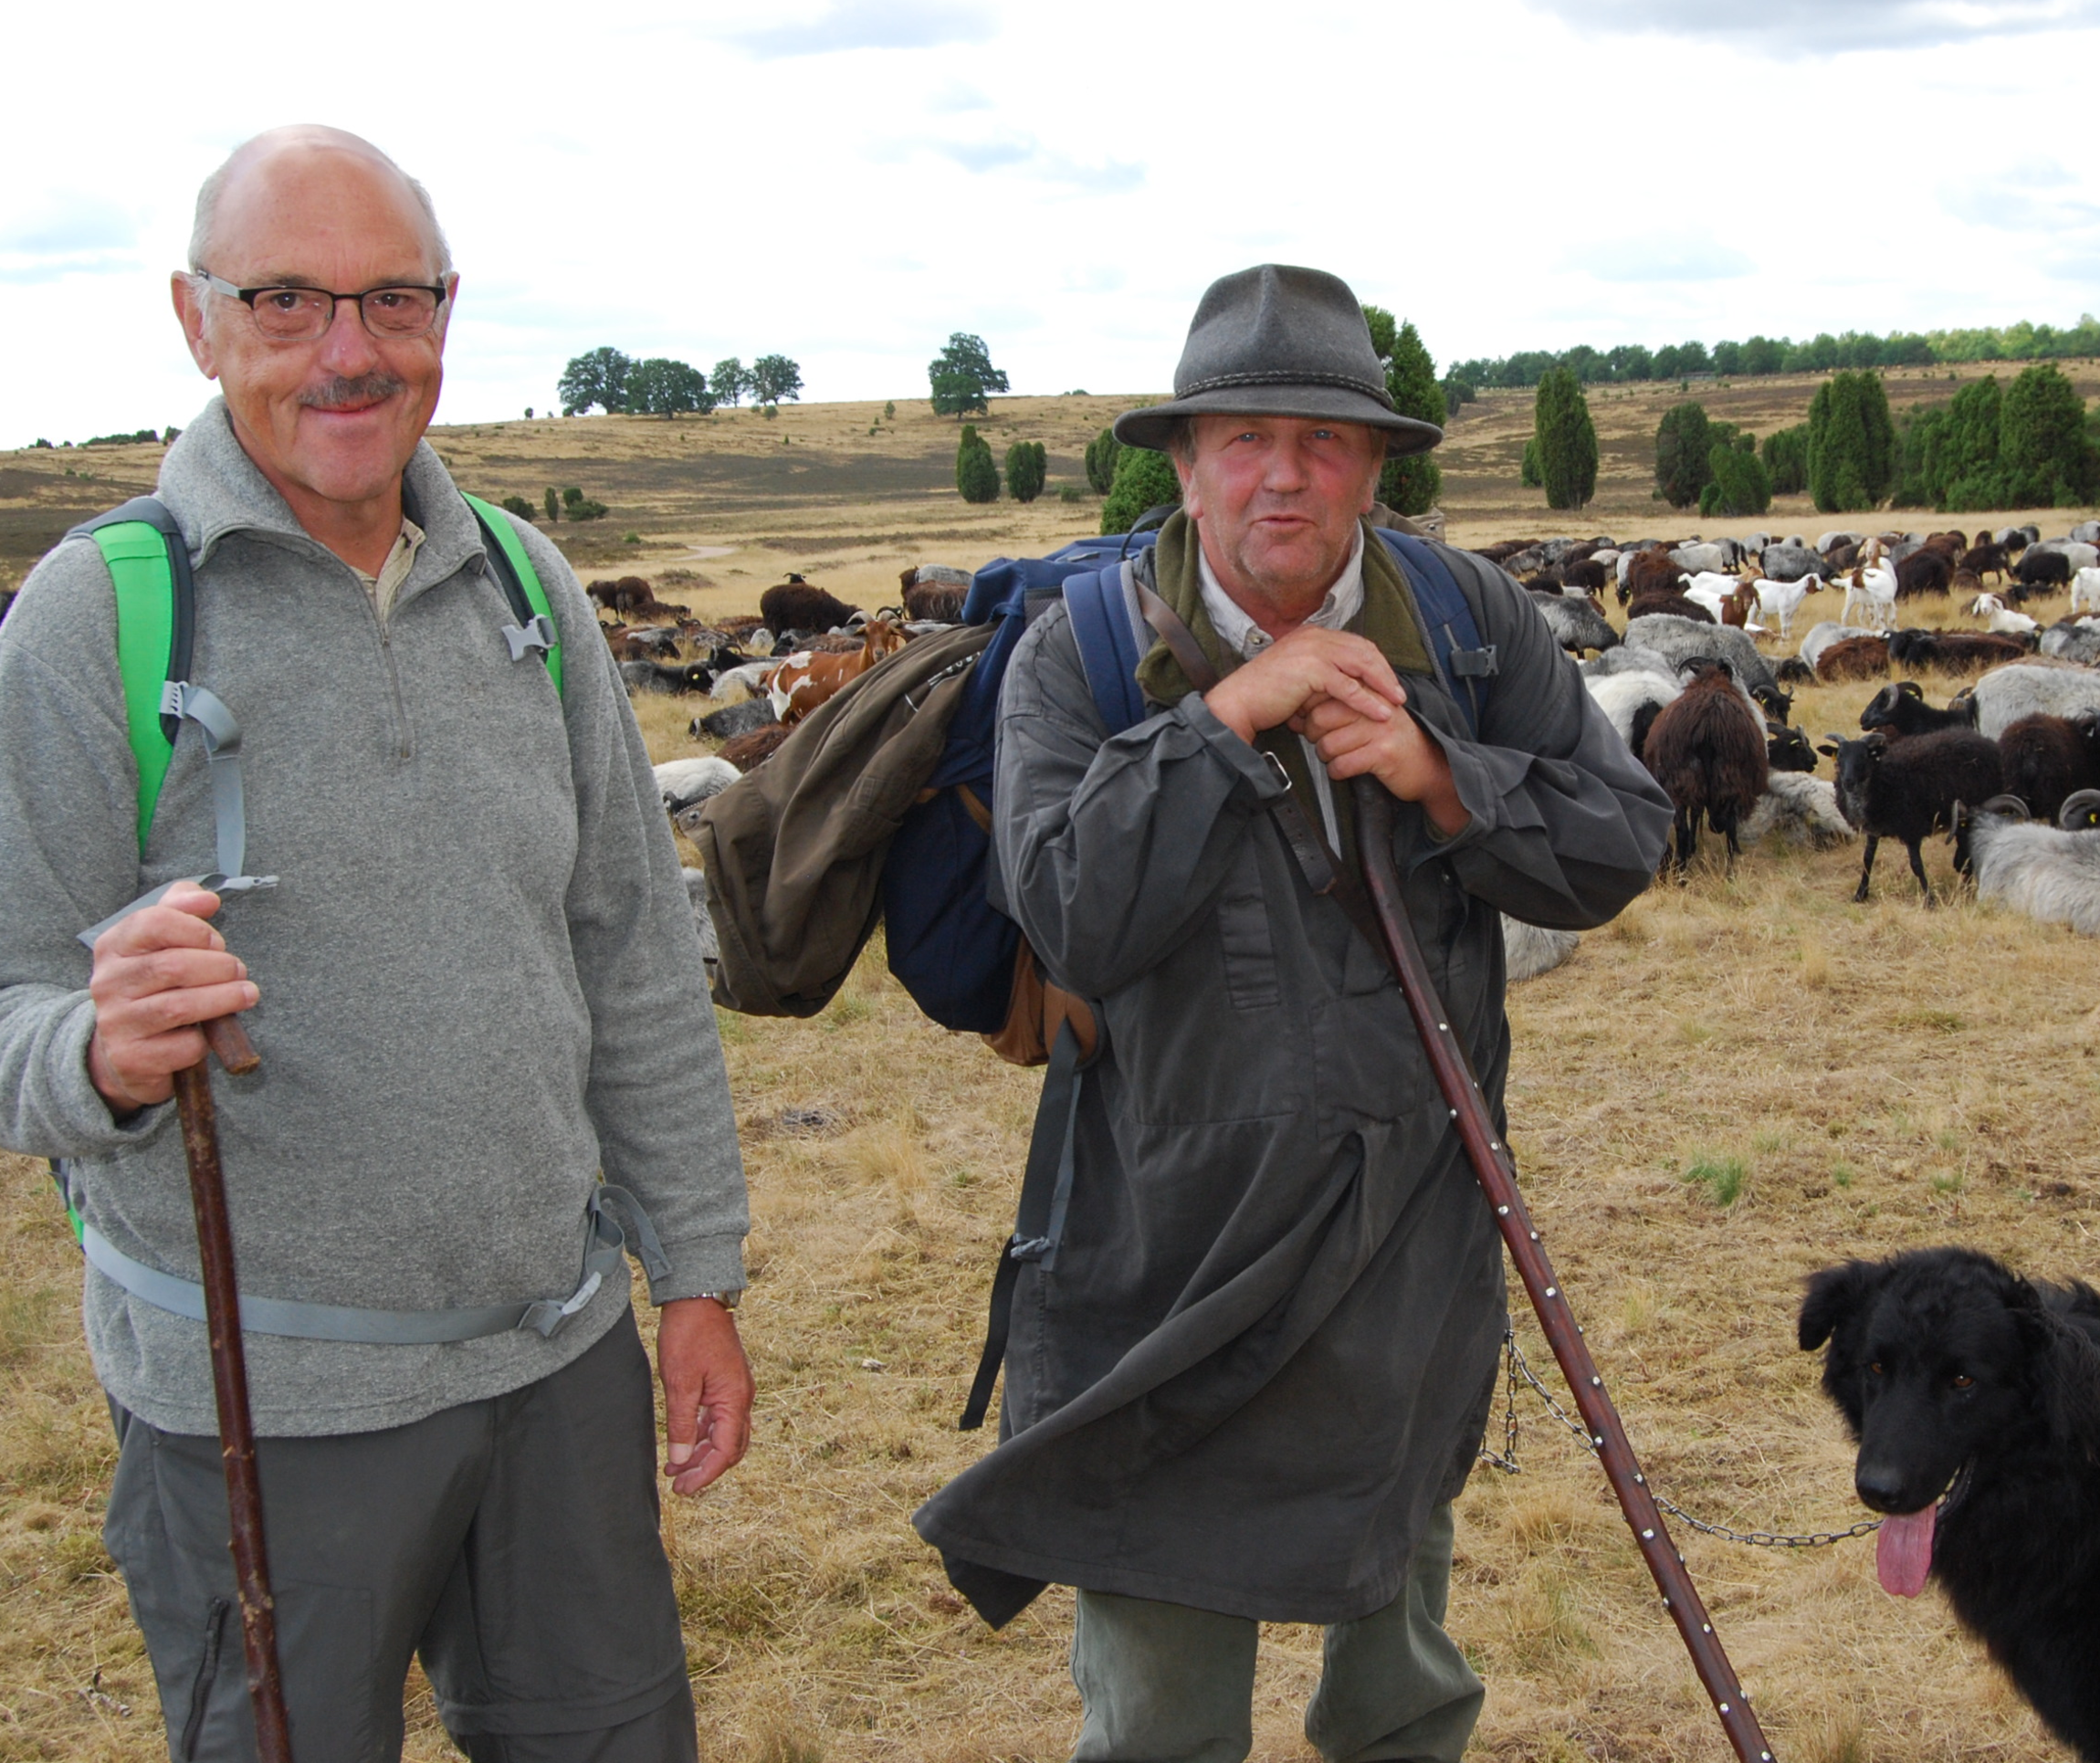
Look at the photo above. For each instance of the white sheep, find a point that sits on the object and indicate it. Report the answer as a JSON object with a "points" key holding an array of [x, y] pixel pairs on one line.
{"points": [[684, 782], [2049, 873], [1801, 809], [1530, 950], [2086, 591], [2020, 688], [1622, 694]]}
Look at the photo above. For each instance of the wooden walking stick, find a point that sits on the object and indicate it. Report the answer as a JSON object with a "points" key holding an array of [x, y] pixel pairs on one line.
{"points": [[233, 1049], [1497, 1175]]}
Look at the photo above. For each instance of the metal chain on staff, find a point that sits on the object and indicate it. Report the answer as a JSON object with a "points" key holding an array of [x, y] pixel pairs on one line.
{"points": [[1505, 1459]]}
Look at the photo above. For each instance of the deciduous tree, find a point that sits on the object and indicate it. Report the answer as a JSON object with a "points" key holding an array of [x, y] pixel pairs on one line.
{"points": [[776, 378], [962, 376], [598, 378]]}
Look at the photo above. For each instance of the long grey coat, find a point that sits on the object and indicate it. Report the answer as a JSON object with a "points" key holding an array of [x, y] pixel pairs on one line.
{"points": [[1268, 1344]]}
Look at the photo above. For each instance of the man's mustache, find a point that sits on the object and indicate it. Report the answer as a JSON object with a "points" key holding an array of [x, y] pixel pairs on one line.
{"points": [[341, 390]]}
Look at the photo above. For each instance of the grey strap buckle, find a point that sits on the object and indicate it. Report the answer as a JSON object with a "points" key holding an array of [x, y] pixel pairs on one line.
{"points": [[1474, 664], [220, 732], [535, 635], [1276, 765]]}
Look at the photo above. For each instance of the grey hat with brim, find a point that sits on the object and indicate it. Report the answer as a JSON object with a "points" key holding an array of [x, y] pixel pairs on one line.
{"points": [[1278, 341]]}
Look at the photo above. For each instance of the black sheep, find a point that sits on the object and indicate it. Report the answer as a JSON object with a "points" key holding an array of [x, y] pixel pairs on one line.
{"points": [[647, 677], [2042, 569], [1787, 750], [1902, 709], [1907, 788], [1923, 572], [2049, 757], [1954, 651], [795, 605], [1707, 751]]}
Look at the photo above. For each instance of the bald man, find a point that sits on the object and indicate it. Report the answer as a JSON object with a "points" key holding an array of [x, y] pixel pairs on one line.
{"points": [[488, 1059]]}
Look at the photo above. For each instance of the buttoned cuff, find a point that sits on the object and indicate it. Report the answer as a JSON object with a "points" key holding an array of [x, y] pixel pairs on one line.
{"points": [[700, 1263]]}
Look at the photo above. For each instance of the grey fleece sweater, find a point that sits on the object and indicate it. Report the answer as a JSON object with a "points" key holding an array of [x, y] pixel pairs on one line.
{"points": [[480, 982]]}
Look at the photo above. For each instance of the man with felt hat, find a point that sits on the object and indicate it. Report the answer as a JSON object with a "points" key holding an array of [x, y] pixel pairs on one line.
{"points": [[1251, 1358]]}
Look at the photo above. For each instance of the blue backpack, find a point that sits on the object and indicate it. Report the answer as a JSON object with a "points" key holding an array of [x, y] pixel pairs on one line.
{"points": [[951, 948]]}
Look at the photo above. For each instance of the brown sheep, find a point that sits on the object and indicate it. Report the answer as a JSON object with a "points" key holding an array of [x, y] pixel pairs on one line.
{"points": [[1651, 572], [1924, 571], [1854, 657], [795, 605], [1676, 604], [1707, 750], [1983, 558], [748, 750], [935, 603]]}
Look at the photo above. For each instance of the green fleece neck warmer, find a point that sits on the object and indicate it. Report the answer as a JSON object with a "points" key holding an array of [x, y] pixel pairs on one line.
{"points": [[1389, 617]]}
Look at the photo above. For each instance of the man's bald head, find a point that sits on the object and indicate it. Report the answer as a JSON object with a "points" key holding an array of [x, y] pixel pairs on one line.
{"points": [[303, 142]]}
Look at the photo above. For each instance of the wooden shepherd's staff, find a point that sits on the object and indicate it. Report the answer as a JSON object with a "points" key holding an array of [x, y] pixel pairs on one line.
{"points": [[1498, 1174], [226, 1040]]}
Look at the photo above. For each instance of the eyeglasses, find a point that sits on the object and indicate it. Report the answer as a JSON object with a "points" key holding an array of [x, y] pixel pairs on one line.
{"points": [[293, 314]]}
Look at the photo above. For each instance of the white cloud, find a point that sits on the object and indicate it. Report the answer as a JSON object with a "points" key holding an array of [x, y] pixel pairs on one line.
{"points": [[1829, 26], [864, 24]]}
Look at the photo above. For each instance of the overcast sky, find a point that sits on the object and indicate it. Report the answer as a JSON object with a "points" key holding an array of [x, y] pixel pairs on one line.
{"points": [[846, 181]]}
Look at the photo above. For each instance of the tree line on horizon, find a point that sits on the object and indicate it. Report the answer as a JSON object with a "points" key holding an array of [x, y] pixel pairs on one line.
{"points": [[610, 380], [1823, 353]]}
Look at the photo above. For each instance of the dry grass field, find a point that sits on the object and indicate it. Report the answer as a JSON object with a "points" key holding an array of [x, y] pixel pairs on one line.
{"points": [[1734, 1083]]}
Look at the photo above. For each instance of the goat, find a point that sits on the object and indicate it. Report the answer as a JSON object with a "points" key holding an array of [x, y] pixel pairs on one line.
{"points": [[1707, 753], [1989, 607], [1908, 790], [1901, 710], [2050, 873], [805, 680], [2004, 695], [1782, 600], [2049, 759], [1872, 587], [795, 605]]}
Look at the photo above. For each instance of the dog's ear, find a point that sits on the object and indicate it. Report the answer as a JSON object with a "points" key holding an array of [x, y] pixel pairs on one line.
{"points": [[1833, 1294]]}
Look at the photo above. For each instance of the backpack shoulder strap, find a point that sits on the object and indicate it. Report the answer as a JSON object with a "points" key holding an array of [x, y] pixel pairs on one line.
{"points": [[149, 565], [1454, 632], [535, 628], [1101, 612]]}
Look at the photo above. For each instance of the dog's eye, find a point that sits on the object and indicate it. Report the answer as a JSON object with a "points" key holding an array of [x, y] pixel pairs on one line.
{"points": [[1875, 1367], [1962, 1380]]}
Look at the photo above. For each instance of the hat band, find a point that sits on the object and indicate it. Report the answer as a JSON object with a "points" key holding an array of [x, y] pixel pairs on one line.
{"points": [[1347, 382]]}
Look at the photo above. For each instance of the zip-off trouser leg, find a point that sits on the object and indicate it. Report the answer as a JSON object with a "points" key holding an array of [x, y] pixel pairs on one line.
{"points": [[1165, 1683]]}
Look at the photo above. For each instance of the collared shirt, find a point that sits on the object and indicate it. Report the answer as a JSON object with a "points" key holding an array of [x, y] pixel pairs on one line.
{"points": [[1246, 639], [384, 586]]}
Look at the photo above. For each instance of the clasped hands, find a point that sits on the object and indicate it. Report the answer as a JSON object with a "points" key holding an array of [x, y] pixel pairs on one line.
{"points": [[1337, 690]]}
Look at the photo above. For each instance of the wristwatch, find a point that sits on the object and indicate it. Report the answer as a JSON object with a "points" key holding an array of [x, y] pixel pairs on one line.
{"points": [[728, 1300]]}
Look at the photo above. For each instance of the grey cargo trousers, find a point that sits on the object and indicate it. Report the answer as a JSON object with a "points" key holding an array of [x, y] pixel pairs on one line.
{"points": [[1165, 1683], [512, 1543]]}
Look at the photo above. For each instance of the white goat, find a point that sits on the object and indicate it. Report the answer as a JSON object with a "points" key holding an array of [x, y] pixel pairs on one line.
{"points": [[1872, 587], [2001, 617], [1782, 600]]}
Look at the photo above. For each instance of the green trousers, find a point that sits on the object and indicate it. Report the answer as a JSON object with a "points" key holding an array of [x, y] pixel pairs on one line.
{"points": [[1165, 1683]]}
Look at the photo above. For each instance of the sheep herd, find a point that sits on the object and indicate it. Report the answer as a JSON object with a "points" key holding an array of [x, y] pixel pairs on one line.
{"points": [[2010, 766]]}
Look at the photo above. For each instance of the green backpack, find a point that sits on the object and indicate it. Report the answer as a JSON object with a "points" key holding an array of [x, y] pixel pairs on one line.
{"points": [[156, 621]]}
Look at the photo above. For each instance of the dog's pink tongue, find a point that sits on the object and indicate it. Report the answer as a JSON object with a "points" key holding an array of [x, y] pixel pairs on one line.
{"points": [[1903, 1553]]}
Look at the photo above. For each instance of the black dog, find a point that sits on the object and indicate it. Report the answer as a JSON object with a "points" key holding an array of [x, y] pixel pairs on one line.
{"points": [[1954, 1372]]}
